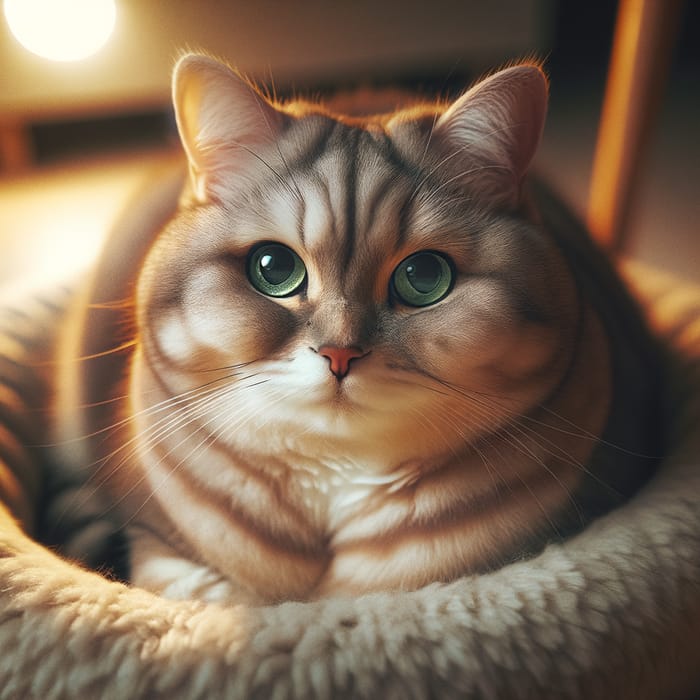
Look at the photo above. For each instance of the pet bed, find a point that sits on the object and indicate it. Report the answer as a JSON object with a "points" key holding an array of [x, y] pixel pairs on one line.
{"points": [[611, 613]]}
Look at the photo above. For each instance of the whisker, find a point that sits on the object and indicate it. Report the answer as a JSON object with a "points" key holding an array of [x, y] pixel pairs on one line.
{"points": [[296, 194], [573, 429], [431, 195], [449, 157], [543, 510], [428, 141], [209, 437], [99, 478], [275, 139], [515, 435], [527, 451], [151, 442], [558, 452], [592, 436], [181, 409], [52, 363], [164, 405]]}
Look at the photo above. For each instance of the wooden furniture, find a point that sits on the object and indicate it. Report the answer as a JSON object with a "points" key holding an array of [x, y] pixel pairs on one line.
{"points": [[645, 31]]}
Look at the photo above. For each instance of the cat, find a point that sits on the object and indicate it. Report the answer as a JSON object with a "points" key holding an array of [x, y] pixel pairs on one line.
{"points": [[356, 354]]}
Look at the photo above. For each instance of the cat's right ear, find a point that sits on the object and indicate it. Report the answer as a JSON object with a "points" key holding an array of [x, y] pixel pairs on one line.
{"points": [[223, 123]]}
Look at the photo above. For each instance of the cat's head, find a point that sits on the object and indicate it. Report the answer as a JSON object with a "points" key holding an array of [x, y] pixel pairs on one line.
{"points": [[370, 285]]}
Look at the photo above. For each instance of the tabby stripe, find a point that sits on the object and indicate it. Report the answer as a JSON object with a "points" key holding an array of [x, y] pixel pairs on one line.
{"points": [[521, 299], [487, 508], [152, 359], [581, 318], [257, 475], [280, 503], [510, 486], [13, 496], [300, 217], [16, 455], [351, 198], [17, 314], [380, 194], [539, 373], [26, 337], [269, 572], [420, 179], [18, 377], [156, 357], [404, 224], [306, 161], [386, 148], [594, 272], [26, 344], [329, 207], [13, 413], [241, 519], [53, 307]]}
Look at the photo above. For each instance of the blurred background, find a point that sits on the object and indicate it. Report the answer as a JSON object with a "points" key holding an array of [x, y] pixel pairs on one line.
{"points": [[79, 137]]}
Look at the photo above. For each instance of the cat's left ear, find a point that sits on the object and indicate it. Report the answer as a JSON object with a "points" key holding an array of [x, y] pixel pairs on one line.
{"points": [[497, 126], [224, 124]]}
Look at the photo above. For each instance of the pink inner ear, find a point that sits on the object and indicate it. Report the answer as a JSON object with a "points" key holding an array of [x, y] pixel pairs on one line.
{"points": [[223, 123], [529, 115], [498, 125]]}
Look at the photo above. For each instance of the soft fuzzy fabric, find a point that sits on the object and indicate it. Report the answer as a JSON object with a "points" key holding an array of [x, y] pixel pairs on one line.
{"points": [[612, 613]]}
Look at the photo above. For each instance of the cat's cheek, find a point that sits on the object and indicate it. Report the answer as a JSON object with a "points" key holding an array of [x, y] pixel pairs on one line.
{"points": [[173, 340], [222, 313], [185, 343], [439, 342]]}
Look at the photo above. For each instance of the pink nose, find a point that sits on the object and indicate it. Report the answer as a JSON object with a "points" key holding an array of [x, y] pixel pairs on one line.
{"points": [[340, 358]]}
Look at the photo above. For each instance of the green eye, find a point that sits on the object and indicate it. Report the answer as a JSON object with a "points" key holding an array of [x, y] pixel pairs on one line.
{"points": [[275, 270], [422, 279]]}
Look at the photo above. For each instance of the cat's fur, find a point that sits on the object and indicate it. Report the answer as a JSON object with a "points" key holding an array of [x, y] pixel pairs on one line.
{"points": [[337, 440]]}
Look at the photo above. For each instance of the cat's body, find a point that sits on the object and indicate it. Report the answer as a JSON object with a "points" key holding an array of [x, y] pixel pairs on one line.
{"points": [[359, 356]]}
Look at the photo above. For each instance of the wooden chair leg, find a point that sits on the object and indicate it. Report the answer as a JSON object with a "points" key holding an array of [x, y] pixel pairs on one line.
{"points": [[645, 32], [15, 147]]}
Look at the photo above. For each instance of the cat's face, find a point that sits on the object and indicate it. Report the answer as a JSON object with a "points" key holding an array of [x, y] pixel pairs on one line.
{"points": [[364, 290]]}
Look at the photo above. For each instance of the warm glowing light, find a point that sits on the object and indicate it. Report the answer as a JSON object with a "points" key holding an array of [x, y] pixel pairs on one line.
{"points": [[61, 30]]}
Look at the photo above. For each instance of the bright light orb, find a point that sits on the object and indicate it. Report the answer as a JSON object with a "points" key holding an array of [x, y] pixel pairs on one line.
{"points": [[61, 30]]}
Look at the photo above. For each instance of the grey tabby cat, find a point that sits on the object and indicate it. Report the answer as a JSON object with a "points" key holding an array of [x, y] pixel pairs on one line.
{"points": [[361, 354]]}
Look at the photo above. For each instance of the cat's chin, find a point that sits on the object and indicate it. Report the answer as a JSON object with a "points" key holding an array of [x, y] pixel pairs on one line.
{"points": [[336, 406]]}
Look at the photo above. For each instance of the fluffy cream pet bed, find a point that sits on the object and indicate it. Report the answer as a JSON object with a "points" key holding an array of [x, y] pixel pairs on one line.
{"points": [[612, 613]]}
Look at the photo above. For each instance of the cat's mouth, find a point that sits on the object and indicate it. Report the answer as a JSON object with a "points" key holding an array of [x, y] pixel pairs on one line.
{"points": [[354, 396], [343, 393]]}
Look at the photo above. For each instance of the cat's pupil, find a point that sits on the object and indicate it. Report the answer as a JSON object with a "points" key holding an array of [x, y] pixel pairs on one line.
{"points": [[424, 273], [275, 270], [422, 279], [276, 267]]}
